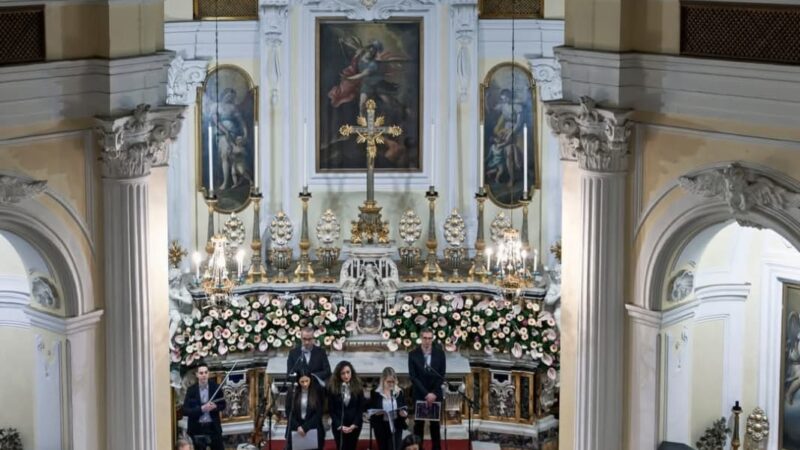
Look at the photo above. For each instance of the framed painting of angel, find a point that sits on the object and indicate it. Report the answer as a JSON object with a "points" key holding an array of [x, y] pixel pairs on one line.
{"points": [[788, 431], [508, 97], [357, 61], [226, 114]]}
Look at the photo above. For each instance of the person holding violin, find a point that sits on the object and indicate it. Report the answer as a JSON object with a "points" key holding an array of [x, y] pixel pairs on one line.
{"points": [[202, 405], [345, 405]]}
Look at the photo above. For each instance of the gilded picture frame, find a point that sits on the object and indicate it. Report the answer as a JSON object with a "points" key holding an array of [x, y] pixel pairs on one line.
{"points": [[789, 435], [508, 104], [356, 61], [227, 114]]}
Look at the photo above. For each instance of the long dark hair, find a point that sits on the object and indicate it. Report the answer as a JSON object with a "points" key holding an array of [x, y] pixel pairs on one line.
{"points": [[313, 398], [335, 381]]}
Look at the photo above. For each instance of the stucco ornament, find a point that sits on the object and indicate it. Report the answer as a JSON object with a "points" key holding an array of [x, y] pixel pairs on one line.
{"points": [[15, 189], [455, 232], [410, 227], [328, 228], [281, 229]]}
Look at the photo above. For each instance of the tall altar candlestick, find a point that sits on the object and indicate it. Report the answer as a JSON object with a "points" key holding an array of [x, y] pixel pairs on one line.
{"points": [[305, 155], [433, 152], [525, 159], [480, 167], [256, 170], [210, 161]]}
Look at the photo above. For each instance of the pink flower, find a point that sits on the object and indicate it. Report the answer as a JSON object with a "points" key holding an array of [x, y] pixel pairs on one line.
{"points": [[420, 319], [226, 333], [450, 347], [547, 359], [263, 346], [392, 346], [223, 349], [551, 373], [208, 335], [338, 344], [516, 350]]}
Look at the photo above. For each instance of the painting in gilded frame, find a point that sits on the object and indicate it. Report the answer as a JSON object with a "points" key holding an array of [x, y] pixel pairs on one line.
{"points": [[788, 431], [357, 61], [226, 115], [508, 104]]}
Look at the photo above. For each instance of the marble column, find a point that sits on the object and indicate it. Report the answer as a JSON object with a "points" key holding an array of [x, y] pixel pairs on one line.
{"points": [[597, 138], [130, 146]]}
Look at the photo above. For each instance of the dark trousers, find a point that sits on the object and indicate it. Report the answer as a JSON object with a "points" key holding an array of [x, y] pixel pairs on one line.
{"points": [[384, 437], [436, 438], [346, 441], [207, 436]]}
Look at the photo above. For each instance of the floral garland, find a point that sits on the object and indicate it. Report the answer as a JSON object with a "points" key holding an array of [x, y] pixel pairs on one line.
{"points": [[490, 324], [269, 322]]}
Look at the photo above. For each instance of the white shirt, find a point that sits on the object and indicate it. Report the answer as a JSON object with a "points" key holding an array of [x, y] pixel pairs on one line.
{"points": [[206, 417]]}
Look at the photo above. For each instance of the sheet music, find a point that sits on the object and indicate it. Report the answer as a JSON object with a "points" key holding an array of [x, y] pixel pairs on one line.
{"points": [[307, 442]]}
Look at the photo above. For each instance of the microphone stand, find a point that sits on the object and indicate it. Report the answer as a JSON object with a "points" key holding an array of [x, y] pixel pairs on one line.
{"points": [[470, 406], [392, 424], [269, 426], [291, 399], [341, 424]]}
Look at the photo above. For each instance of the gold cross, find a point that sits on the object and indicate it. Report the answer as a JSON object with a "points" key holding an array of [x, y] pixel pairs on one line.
{"points": [[370, 130]]}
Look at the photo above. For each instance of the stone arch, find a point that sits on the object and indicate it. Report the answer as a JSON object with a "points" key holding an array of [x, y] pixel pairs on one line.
{"points": [[47, 233], [688, 215]]}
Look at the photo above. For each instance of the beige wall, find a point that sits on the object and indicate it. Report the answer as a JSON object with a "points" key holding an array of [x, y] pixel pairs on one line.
{"points": [[177, 10], [707, 369], [17, 390], [76, 31], [554, 9], [651, 26]]}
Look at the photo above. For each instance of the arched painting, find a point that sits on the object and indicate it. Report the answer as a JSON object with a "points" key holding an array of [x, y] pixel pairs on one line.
{"points": [[226, 111], [508, 106]]}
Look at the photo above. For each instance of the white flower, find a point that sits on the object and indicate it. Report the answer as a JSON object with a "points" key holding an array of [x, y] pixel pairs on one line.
{"points": [[222, 349], [385, 335], [407, 314], [226, 333], [456, 316], [450, 347], [338, 344], [516, 350], [245, 313], [476, 345], [263, 346], [506, 330], [420, 319], [406, 342], [213, 313], [256, 305], [442, 321], [295, 301], [278, 313], [535, 306], [277, 343], [426, 298], [441, 334], [208, 335], [328, 340], [547, 359], [549, 334], [295, 317], [392, 346], [402, 332], [270, 338], [442, 310]]}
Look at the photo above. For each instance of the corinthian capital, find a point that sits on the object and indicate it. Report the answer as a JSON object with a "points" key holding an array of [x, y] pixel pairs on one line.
{"points": [[596, 137], [132, 144], [183, 78]]}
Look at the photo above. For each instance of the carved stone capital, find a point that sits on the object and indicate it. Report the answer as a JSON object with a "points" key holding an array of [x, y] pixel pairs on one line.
{"points": [[15, 189], [368, 10], [547, 73], [132, 144], [743, 189], [596, 137], [183, 78]]}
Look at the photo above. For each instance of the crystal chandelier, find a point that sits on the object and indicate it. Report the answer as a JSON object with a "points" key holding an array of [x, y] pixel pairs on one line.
{"points": [[217, 281], [510, 268]]}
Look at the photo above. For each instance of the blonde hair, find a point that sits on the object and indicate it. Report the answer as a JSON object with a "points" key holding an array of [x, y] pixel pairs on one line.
{"points": [[388, 372]]}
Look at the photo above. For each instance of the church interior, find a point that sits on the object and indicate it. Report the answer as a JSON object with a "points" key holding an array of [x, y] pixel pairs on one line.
{"points": [[593, 206]]}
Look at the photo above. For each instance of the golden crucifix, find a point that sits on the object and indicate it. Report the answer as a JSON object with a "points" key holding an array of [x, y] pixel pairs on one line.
{"points": [[370, 131]]}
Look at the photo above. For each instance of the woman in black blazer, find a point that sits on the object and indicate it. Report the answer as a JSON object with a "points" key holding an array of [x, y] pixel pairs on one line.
{"points": [[306, 410], [346, 406], [388, 397]]}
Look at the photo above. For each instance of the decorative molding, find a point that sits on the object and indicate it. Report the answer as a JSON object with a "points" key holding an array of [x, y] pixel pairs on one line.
{"points": [[183, 79], [131, 144], [547, 73], [464, 23], [16, 189], [742, 189], [596, 137], [274, 16], [44, 291], [369, 10], [77, 89], [646, 317], [681, 283], [668, 84]]}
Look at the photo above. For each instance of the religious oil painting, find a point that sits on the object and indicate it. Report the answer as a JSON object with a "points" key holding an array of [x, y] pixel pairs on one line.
{"points": [[357, 61], [226, 137], [788, 430], [508, 109]]}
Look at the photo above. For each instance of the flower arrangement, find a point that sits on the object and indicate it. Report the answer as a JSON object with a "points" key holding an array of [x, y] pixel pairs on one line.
{"points": [[268, 322], [490, 324], [9, 439]]}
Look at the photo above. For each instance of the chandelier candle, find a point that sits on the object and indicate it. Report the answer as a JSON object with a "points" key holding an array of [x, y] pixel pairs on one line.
{"points": [[525, 161], [197, 260]]}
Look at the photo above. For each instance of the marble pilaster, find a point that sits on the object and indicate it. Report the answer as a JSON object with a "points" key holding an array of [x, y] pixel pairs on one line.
{"points": [[597, 138], [130, 146]]}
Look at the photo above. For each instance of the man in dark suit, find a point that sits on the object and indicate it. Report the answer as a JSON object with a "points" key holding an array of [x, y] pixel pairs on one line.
{"points": [[203, 411], [427, 368], [310, 358]]}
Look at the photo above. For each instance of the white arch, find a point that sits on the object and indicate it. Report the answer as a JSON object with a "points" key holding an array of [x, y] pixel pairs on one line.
{"points": [[50, 236], [683, 219]]}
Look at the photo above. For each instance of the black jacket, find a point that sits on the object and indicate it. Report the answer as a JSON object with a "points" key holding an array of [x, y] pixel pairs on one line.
{"points": [[427, 380], [353, 412], [377, 421], [192, 405], [318, 364]]}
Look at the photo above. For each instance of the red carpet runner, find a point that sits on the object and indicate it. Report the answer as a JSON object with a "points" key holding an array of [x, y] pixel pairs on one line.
{"points": [[452, 444]]}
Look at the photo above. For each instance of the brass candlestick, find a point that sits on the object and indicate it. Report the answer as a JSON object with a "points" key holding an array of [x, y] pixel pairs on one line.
{"points": [[478, 271], [304, 272], [211, 200], [432, 271], [257, 272]]}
